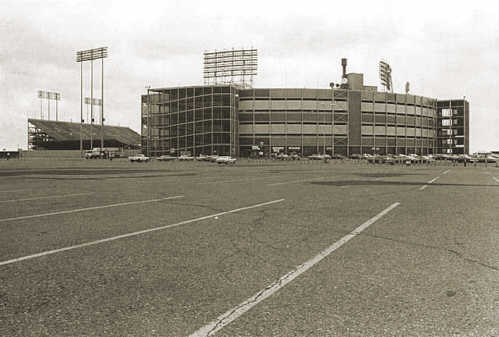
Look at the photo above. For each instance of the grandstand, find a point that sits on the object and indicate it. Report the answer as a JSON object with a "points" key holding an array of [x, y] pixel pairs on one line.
{"points": [[55, 135]]}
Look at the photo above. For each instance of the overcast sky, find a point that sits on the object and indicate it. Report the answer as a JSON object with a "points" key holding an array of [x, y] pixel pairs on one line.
{"points": [[444, 49]]}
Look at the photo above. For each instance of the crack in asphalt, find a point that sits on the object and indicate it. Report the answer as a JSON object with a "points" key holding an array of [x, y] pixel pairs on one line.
{"points": [[252, 300], [452, 251]]}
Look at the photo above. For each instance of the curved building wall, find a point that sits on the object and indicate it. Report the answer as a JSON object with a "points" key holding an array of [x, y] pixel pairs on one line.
{"points": [[398, 123], [198, 119], [308, 121]]}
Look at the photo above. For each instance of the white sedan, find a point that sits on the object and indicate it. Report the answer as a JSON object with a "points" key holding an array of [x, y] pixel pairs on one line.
{"points": [[186, 158], [166, 158], [226, 160], [139, 158]]}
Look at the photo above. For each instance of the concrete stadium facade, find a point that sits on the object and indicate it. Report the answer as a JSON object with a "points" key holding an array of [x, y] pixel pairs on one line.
{"points": [[228, 120]]}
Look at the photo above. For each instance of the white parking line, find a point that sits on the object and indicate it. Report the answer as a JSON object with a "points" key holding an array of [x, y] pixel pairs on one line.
{"points": [[47, 197], [88, 209], [445, 172], [429, 182], [49, 252], [234, 313], [433, 180]]}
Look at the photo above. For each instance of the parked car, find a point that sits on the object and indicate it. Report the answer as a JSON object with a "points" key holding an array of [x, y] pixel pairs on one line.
{"points": [[387, 160], [185, 158], [213, 158], [315, 157], [294, 156], [227, 160], [202, 157], [139, 158], [283, 156], [356, 156], [93, 155], [166, 158], [428, 159]]}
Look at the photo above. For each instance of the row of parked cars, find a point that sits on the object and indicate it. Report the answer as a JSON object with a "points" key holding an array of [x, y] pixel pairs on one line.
{"points": [[227, 160], [414, 158], [294, 156], [476, 158], [382, 159]]}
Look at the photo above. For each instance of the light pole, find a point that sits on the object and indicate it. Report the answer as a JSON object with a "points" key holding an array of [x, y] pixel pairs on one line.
{"points": [[332, 105], [91, 55], [49, 95], [148, 87]]}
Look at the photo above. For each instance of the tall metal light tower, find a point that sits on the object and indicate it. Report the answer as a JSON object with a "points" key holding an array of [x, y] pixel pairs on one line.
{"points": [[92, 102], [91, 55], [49, 95], [385, 75]]}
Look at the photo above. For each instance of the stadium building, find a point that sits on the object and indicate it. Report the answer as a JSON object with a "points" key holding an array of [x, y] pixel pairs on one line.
{"points": [[56, 135], [347, 119]]}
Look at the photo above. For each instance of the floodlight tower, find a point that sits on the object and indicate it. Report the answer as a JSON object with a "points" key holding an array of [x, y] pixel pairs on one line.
{"points": [[49, 95], [91, 55]]}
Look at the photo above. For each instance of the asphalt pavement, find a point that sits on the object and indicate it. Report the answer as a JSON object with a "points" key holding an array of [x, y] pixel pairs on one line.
{"points": [[264, 248]]}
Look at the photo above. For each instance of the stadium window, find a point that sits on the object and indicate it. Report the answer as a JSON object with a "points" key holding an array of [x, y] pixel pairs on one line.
{"points": [[199, 114], [181, 105], [446, 112], [207, 113], [181, 117], [217, 125], [207, 126], [226, 100], [217, 113], [226, 113], [198, 91], [217, 100], [245, 117], [207, 101], [199, 102]]}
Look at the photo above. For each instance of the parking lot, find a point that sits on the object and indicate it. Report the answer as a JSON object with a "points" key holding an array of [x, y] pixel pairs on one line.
{"points": [[261, 248]]}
